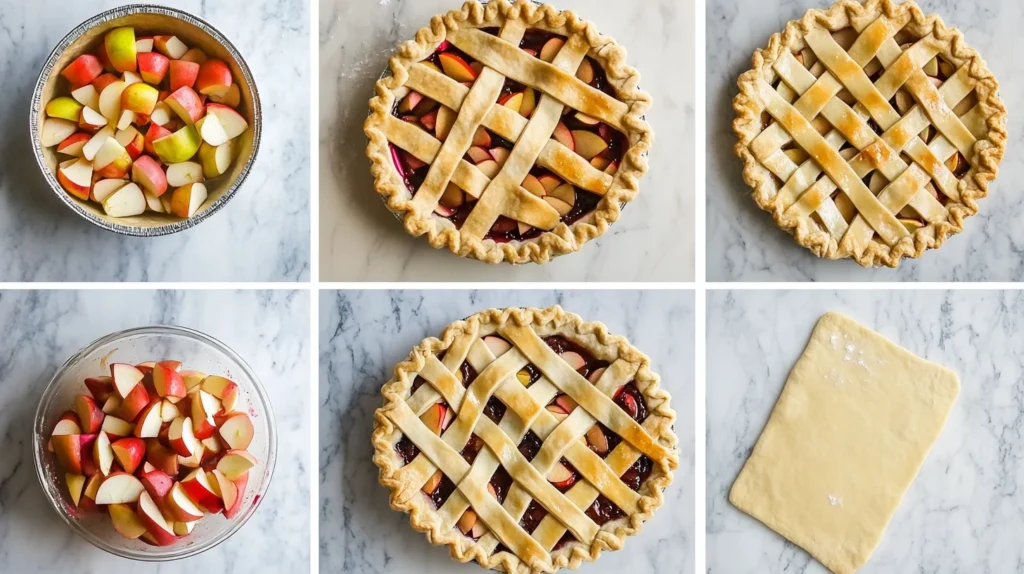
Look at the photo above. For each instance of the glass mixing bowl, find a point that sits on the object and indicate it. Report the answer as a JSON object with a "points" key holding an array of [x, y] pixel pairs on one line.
{"points": [[196, 351]]}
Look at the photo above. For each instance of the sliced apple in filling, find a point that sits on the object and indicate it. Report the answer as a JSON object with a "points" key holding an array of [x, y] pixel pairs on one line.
{"points": [[574, 359], [410, 102], [551, 49], [500, 155], [565, 192], [588, 144], [534, 186], [549, 182], [597, 440], [482, 138], [586, 72], [563, 136], [561, 476], [432, 483], [445, 121], [529, 102], [513, 102], [479, 154], [457, 68]]}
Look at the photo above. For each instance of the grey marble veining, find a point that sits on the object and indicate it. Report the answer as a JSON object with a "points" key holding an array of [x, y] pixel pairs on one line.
{"points": [[269, 329], [363, 335], [743, 242], [360, 240], [261, 235], [965, 511]]}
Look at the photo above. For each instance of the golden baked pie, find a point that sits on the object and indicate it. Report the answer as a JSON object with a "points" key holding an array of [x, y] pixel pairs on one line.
{"points": [[869, 130]]}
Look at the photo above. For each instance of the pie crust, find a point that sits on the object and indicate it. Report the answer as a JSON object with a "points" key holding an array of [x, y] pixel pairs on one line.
{"points": [[809, 113], [523, 329], [476, 106], [846, 439]]}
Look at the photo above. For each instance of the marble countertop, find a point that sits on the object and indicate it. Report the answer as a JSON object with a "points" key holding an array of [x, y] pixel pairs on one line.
{"points": [[743, 242], [965, 510], [360, 240], [363, 335], [261, 235], [269, 329]]}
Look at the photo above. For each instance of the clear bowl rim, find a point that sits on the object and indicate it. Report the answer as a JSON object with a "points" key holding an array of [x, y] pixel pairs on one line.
{"points": [[37, 105], [174, 330]]}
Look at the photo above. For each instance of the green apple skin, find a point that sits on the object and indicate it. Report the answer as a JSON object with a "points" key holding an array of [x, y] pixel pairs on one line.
{"points": [[64, 108], [179, 146], [120, 45]]}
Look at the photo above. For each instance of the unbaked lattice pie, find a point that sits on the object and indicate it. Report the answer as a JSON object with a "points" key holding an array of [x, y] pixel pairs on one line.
{"points": [[508, 132], [869, 130], [526, 439]]}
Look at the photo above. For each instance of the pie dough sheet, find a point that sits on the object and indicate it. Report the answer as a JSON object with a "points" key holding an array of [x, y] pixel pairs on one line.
{"points": [[849, 433]]}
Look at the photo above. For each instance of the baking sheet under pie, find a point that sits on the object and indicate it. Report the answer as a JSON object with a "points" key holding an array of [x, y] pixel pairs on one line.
{"points": [[854, 423]]}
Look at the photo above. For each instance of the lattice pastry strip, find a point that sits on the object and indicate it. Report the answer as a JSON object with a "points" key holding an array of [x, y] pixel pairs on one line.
{"points": [[921, 106], [556, 155], [469, 421], [527, 410]]}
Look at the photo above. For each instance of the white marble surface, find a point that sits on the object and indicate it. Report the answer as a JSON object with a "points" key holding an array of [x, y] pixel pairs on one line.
{"points": [[360, 240], [363, 335], [743, 242], [269, 329], [261, 235], [965, 510]]}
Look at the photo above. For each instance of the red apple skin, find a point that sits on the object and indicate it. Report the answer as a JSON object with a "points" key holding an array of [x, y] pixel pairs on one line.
{"points": [[72, 139], [159, 536], [135, 147], [83, 70], [129, 452], [146, 412], [168, 381], [149, 167], [189, 101], [183, 74], [161, 457], [154, 133], [153, 67], [157, 483], [103, 81], [100, 387], [90, 416], [69, 186], [133, 404], [240, 483], [214, 75], [205, 499], [68, 449], [85, 443]]}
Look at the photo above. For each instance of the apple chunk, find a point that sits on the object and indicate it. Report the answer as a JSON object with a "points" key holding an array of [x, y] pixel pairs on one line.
{"points": [[148, 173], [76, 177], [235, 463], [129, 452], [125, 378], [214, 77], [186, 103], [237, 431], [76, 483], [216, 160], [125, 521], [102, 454], [56, 130], [154, 521], [153, 67], [181, 438], [119, 488], [167, 381], [178, 147], [120, 46], [187, 200], [68, 449], [224, 389], [185, 173], [149, 421], [181, 507], [125, 202], [83, 70], [233, 123]]}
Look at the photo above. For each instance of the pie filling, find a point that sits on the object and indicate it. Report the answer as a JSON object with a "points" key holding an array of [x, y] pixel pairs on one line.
{"points": [[592, 139], [563, 476], [938, 71]]}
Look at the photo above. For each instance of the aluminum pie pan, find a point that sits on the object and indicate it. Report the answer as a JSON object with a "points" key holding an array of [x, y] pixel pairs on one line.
{"points": [[37, 105], [387, 73]]}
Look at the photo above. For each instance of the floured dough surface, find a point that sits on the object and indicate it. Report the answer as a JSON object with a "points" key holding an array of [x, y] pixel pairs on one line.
{"points": [[855, 420]]}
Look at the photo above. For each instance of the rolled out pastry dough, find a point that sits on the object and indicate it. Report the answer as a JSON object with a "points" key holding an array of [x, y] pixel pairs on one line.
{"points": [[848, 435]]}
